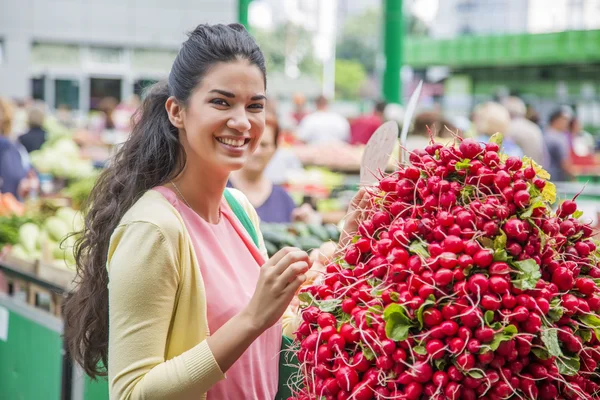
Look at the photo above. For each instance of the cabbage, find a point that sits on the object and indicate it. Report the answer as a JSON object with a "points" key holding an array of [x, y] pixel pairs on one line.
{"points": [[28, 237], [67, 214], [57, 228]]}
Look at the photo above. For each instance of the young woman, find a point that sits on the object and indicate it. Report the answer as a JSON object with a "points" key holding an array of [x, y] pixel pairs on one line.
{"points": [[173, 293]]}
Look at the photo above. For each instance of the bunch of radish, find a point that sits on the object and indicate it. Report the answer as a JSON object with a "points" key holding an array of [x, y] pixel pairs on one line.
{"points": [[462, 283]]}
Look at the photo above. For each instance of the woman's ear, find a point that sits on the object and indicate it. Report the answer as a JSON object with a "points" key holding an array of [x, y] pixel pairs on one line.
{"points": [[175, 112]]}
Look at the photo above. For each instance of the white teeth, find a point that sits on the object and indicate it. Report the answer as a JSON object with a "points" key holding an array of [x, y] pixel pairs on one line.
{"points": [[232, 142]]}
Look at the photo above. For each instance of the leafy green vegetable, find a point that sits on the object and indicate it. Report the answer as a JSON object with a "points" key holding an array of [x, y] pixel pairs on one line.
{"points": [[440, 364], [530, 274], [577, 214], [500, 241], [419, 248], [397, 322], [488, 317], [475, 373], [584, 334], [464, 164], [367, 352], [420, 350], [538, 202], [486, 242], [323, 305], [430, 301], [506, 334], [555, 314], [466, 192], [591, 321], [496, 138], [567, 365], [550, 339], [500, 255], [540, 353]]}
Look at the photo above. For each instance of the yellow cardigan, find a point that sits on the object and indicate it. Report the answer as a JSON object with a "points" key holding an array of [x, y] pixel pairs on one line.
{"points": [[157, 306]]}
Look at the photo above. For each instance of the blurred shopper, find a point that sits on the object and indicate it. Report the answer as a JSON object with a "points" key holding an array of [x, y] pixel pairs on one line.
{"points": [[526, 134], [490, 118], [364, 126], [12, 168], [271, 201], [299, 111], [107, 107], [532, 114], [36, 135], [323, 125], [558, 144], [582, 146]]}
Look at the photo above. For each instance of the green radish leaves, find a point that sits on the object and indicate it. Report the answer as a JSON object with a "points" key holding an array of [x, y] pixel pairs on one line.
{"points": [[529, 274], [323, 305], [429, 302], [568, 365], [397, 322], [464, 164], [506, 334], [419, 248], [537, 202], [550, 338], [591, 321]]}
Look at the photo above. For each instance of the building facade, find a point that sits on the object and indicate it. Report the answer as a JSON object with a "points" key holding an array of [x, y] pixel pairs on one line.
{"points": [[74, 52]]}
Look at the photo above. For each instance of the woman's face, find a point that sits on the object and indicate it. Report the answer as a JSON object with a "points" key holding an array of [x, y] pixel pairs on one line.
{"points": [[258, 161], [223, 121]]}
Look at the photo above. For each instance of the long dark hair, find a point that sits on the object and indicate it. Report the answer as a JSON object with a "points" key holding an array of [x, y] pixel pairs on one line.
{"points": [[150, 157]]}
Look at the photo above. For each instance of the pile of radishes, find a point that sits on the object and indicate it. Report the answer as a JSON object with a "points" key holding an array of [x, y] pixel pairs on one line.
{"points": [[462, 283]]}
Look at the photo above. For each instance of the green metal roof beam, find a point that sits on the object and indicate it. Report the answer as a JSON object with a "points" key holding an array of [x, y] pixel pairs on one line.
{"points": [[523, 49]]}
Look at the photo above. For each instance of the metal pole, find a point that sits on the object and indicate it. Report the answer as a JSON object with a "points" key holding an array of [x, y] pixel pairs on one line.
{"points": [[393, 47], [243, 12]]}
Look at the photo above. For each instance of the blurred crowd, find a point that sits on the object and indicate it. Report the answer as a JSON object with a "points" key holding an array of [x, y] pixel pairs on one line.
{"points": [[559, 144]]}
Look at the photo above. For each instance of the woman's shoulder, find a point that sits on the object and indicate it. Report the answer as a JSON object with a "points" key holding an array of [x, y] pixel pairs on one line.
{"points": [[153, 208]]}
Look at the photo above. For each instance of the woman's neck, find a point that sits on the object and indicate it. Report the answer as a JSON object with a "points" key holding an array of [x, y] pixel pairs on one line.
{"points": [[202, 189], [249, 178]]}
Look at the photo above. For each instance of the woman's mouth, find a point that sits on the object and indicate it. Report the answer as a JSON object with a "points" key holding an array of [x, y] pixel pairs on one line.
{"points": [[233, 142]]}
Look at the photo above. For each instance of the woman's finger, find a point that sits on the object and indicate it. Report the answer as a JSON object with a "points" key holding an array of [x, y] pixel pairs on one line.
{"points": [[290, 258], [295, 269]]}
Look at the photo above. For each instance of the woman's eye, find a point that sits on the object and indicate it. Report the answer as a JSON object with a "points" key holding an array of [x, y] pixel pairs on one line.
{"points": [[219, 102], [256, 106]]}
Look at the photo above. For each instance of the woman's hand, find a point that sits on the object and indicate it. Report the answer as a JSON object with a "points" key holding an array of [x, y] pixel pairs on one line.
{"points": [[356, 214], [279, 279]]}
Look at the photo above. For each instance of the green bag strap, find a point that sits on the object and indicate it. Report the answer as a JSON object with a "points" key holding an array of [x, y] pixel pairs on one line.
{"points": [[241, 215]]}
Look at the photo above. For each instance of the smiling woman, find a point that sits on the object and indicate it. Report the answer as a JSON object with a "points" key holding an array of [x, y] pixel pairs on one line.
{"points": [[174, 290]]}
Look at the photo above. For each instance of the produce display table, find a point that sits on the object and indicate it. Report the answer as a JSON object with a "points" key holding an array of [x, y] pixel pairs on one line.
{"points": [[33, 361]]}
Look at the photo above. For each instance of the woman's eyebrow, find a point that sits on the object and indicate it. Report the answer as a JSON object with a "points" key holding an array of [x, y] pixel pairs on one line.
{"points": [[224, 93], [232, 95]]}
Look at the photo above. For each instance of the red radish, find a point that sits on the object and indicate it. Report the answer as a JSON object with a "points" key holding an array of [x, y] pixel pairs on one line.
{"points": [[522, 198], [413, 391], [360, 362], [465, 361], [453, 244], [478, 284], [432, 317], [346, 378], [421, 372], [428, 236], [483, 258], [470, 148], [435, 348], [567, 208]]}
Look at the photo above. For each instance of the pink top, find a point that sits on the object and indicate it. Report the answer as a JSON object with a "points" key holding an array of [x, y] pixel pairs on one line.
{"points": [[230, 262]]}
